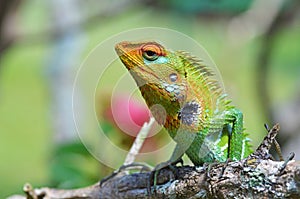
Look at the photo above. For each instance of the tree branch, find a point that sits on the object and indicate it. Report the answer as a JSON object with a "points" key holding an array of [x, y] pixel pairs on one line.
{"points": [[254, 177]]}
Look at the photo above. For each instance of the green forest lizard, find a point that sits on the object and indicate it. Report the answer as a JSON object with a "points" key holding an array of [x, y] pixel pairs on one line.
{"points": [[184, 96]]}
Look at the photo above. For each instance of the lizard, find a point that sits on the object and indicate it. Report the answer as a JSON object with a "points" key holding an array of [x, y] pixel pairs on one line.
{"points": [[185, 97]]}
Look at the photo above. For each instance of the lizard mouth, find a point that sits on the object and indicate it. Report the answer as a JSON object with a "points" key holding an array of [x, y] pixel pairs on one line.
{"points": [[119, 48], [122, 50], [131, 63]]}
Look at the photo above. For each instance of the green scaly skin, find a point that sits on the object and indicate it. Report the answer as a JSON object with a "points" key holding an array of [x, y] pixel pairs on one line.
{"points": [[185, 98]]}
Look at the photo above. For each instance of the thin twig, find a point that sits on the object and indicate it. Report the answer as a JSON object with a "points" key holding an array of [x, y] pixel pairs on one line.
{"points": [[138, 142]]}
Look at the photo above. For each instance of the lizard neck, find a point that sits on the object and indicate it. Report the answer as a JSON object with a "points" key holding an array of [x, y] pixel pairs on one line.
{"points": [[163, 110], [185, 112]]}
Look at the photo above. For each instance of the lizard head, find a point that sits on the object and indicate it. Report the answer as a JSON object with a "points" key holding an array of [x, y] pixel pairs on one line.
{"points": [[158, 74], [151, 65]]}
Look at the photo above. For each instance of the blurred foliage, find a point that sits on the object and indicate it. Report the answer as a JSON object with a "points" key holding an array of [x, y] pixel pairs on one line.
{"points": [[25, 130], [209, 6], [72, 166]]}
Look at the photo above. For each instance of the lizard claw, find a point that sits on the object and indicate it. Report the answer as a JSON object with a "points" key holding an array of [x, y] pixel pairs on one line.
{"points": [[210, 165], [133, 166], [154, 173]]}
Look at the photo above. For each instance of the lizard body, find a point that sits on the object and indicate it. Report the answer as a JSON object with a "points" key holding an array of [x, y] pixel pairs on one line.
{"points": [[185, 98]]}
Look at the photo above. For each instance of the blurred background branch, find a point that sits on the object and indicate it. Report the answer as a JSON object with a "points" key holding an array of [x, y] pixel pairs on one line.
{"points": [[102, 10]]}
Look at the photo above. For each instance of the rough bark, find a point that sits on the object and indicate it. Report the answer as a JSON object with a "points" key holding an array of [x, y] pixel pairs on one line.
{"points": [[254, 177]]}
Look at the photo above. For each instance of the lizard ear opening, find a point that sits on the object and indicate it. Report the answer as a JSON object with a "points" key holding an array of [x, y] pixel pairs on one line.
{"points": [[173, 77]]}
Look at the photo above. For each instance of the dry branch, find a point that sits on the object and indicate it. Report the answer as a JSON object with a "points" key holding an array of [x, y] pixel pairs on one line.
{"points": [[254, 177]]}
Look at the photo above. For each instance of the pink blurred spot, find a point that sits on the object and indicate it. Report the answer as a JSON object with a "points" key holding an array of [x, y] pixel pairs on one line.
{"points": [[128, 114]]}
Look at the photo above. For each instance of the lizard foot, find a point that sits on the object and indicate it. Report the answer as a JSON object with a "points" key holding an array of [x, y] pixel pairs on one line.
{"points": [[133, 166], [209, 167], [154, 173]]}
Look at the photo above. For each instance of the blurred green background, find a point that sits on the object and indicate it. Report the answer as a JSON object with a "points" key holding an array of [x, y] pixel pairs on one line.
{"points": [[255, 46]]}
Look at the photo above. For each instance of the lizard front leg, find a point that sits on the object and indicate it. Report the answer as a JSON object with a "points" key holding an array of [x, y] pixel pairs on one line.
{"points": [[236, 139], [171, 163]]}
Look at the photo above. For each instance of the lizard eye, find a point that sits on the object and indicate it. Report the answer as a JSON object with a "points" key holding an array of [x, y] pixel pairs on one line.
{"points": [[152, 51], [150, 55]]}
